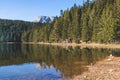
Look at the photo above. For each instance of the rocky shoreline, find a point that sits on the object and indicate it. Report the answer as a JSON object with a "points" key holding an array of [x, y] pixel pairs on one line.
{"points": [[108, 69]]}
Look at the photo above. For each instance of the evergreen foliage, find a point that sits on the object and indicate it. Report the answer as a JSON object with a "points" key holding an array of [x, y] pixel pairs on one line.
{"points": [[96, 21], [12, 30]]}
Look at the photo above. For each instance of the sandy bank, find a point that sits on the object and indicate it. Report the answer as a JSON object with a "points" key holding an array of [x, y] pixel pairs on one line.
{"points": [[82, 45], [91, 45]]}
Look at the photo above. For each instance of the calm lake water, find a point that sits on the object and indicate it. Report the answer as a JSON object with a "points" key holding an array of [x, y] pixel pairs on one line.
{"points": [[42, 62]]}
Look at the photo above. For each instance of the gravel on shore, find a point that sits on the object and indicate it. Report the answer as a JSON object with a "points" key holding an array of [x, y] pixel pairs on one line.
{"points": [[108, 69]]}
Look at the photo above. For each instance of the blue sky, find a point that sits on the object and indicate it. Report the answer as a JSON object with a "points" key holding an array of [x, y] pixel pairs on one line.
{"points": [[28, 10]]}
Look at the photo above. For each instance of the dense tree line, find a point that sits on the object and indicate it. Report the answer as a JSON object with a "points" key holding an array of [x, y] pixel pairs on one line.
{"points": [[11, 30], [95, 21]]}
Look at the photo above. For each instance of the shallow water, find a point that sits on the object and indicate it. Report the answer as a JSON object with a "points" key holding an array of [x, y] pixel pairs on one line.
{"points": [[42, 62]]}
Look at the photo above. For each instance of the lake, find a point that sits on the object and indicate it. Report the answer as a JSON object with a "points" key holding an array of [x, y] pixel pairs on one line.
{"points": [[43, 62]]}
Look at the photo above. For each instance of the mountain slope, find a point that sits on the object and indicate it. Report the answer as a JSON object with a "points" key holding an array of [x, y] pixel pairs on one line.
{"points": [[45, 19]]}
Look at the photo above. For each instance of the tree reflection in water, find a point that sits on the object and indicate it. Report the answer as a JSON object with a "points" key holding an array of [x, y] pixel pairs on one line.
{"points": [[70, 61]]}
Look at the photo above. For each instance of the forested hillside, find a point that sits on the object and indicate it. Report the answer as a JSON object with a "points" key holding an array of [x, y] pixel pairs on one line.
{"points": [[96, 21], [11, 30]]}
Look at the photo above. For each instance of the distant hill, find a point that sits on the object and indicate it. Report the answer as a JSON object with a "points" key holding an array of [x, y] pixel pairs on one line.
{"points": [[45, 19], [11, 30]]}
